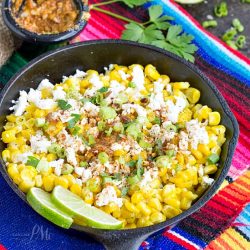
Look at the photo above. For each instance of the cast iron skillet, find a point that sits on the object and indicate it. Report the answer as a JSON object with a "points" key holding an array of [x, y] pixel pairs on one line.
{"points": [[96, 55]]}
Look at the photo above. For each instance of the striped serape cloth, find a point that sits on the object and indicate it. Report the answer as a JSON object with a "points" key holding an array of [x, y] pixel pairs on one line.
{"points": [[224, 222]]}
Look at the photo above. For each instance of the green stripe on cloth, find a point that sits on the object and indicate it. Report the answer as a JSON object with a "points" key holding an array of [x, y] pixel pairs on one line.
{"points": [[15, 62]]}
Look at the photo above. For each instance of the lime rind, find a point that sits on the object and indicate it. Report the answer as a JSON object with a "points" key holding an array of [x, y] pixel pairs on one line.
{"points": [[41, 202], [82, 212]]}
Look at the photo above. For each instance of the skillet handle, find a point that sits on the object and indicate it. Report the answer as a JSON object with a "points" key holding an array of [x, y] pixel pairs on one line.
{"points": [[131, 243]]}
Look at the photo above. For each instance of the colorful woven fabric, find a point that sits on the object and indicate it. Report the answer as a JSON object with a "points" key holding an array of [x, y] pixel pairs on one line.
{"points": [[216, 225]]}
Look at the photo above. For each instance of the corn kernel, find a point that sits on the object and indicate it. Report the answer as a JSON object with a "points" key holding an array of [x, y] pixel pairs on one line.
{"points": [[157, 217], [51, 157], [143, 208], [76, 189], [155, 203], [38, 181], [137, 197], [6, 155], [49, 182], [210, 169], [12, 170], [61, 181], [9, 136], [214, 118], [26, 185], [131, 207], [151, 72], [193, 95], [180, 85], [204, 149]]}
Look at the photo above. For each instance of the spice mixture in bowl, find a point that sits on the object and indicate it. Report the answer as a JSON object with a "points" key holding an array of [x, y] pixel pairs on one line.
{"points": [[45, 16], [128, 141]]}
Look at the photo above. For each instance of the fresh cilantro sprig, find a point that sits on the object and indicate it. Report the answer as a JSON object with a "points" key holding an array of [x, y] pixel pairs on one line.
{"points": [[64, 105], [157, 31], [32, 161], [161, 33], [74, 120]]}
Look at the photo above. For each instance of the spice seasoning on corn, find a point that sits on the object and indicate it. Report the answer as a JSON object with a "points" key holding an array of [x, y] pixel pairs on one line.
{"points": [[128, 141], [45, 16]]}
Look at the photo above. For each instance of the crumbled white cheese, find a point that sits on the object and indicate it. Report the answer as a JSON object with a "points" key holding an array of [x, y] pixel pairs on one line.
{"points": [[59, 94], [201, 171], [79, 170], [169, 88], [148, 177], [138, 77], [183, 141], [115, 89], [20, 104], [167, 135], [78, 181], [39, 143], [123, 75], [116, 146], [80, 74], [23, 158], [207, 180], [45, 84], [91, 108], [71, 156], [108, 195], [86, 175], [136, 149], [96, 85], [155, 130], [94, 131], [127, 109], [35, 96], [156, 100], [57, 165], [173, 110], [196, 133]]}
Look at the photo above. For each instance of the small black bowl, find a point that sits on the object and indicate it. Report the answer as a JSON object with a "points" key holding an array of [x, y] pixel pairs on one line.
{"points": [[43, 38], [96, 55]]}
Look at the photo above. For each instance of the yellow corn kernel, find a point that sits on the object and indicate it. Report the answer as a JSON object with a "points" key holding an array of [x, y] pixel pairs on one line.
{"points": [[156, 183], [11, 118], [191, 160], [143, 208], [214, 118], [149, 125], [117, 213], [38, 181], [180, 85], [12, 170], [9, 125], [137, 197], [125, 213], [221, 139], [130, 226], [151, 72], [165, 79], [49, 182], [204, 149], [142, 222], [219, 129], [89, 198], [197, 154], [131, 220], [114, 75], [203, 113], [210, 169], [27, 173], [157, 217], [46, 93], [180, 158], [185, 203], [51, 157], [170, 212], [172, 201], [185, 116], [131, 207], [216, 150], [9, 136], [155, 203], [193, 95], [76, 189], [39, 113], [149, 86], [119, 152], [13, 154], [70, 178], [6, 155], [61, 181], [26, 185]]}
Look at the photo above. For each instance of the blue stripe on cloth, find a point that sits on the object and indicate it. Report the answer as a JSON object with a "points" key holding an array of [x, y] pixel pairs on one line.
{"points": [[244, 218], [189, 236], [222, 57]]}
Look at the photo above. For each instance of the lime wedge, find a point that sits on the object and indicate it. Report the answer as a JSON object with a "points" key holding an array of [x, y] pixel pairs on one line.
{"points": [[83, 213], [41, 202], [189, 1]]}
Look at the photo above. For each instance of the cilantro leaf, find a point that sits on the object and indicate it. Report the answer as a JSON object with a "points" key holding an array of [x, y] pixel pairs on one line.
{"points": [[75, 130], [139, 168], [155, 16], [138, 33], [74, 120], [32, 161], [178, 43], [103, 89], [63, 104], [133, 3]]}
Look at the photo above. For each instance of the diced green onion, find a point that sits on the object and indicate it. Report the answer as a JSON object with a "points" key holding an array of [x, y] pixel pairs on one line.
{"points": [[83, 164], [118, 127], [103, 157], [229, 35], [210, 24], [162, 161], [171, 128], [40, 122], [67, 169], [43, 165], [93, 185], [133, 180], [157, 120], [101, 125], [144, 144], [131, 85], [109, 131], [91, 140], [133, 130], [131, 164], [170, 153], [213, 158], [107, 113], [57, 149], [121, 98], [232, 44], [107, 179], [240, 41], [237, 25], [220, 10]]}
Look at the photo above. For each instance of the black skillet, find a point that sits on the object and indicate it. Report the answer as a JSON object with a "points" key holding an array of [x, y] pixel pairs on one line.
{"points": [[96, 55]]}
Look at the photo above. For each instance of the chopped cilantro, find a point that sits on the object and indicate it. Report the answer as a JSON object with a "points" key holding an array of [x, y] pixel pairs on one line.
{"points": [[103, 89], [74, 120], [64, 105], [131, 164], [75, 130], [131, 85], [32, 161]]}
